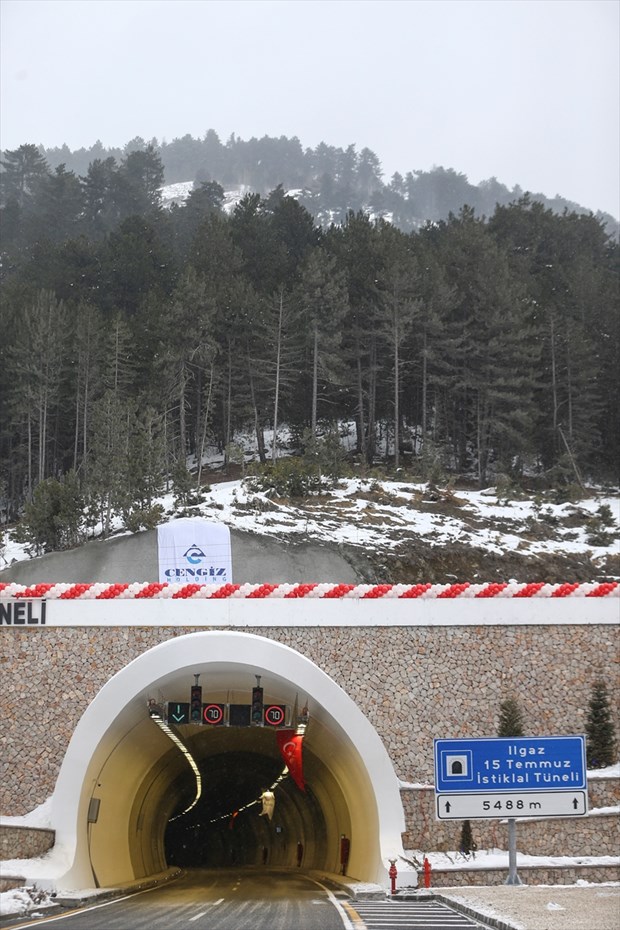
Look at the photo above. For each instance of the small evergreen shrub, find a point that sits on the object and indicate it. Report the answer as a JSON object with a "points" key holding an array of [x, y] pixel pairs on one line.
{"points": [[288, 478], [325, 454], [143, 518], [510, 718], [53, 519], [601, 527], [467, 846], [605, 516], [600, 736]]}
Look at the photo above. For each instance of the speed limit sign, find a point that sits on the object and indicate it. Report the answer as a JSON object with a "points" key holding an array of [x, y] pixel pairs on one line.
{"points": [[275, 715], [213, 714]]}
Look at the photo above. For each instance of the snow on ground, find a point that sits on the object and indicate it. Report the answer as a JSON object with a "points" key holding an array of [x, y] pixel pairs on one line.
{"points": [[40, 818], [25, 901], [498, 859], [176, 193], [179, 192], [377, 515]]}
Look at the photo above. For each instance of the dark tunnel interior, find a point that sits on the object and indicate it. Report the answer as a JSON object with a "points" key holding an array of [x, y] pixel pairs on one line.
{"points": [[226, 827]]}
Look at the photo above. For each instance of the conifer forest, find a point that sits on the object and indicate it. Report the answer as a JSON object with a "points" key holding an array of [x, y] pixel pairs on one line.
{"points": [[133, 335]]}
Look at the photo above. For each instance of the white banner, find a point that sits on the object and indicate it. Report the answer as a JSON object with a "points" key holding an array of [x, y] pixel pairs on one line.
{"points": [[194, 550]]}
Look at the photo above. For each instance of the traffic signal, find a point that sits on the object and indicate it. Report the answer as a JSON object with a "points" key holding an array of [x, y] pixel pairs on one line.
{"points": [[195, 707], [257, 706]]}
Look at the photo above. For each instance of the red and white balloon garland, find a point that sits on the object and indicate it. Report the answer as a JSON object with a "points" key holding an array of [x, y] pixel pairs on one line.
{"points": [[100, 591]]}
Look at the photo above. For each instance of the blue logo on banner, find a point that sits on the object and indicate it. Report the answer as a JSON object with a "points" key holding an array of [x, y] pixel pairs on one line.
{"points": [[194, 555]]}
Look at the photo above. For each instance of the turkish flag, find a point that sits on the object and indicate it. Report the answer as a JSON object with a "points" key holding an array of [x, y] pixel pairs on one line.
{"points": [[289, 744]]}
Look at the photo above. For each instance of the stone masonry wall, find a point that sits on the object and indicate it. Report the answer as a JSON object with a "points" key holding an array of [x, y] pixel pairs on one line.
{"points": [[413, 684], [596, 834], [537, 875], [24, 842]]}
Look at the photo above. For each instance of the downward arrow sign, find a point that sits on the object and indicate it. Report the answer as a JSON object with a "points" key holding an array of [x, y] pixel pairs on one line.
{"points": [[179, 714]]}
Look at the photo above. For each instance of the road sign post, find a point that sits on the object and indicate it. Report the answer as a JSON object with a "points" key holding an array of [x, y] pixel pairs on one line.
{"points": [[513, 876], [509, 777]]}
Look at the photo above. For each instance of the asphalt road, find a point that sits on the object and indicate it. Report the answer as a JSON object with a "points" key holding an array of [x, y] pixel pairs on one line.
{"points": [[211, 900]]}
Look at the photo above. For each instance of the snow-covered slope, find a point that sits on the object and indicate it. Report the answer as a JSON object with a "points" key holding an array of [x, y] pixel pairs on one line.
{"points": [[397, 520]]}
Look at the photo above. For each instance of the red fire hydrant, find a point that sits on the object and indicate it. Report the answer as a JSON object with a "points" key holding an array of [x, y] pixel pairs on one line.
{"points": [[427, 873], [393, 873]]}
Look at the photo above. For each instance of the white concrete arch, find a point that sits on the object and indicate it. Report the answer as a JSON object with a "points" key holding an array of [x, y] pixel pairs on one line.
{"points": [[341, 736]]}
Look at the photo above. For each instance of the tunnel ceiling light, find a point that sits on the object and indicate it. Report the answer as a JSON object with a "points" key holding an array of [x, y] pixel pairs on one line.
{"points": [[156, 714], [246, 807]]}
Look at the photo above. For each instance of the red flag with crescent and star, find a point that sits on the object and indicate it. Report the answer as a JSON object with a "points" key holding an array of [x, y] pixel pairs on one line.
{"points": [[289, 744]]}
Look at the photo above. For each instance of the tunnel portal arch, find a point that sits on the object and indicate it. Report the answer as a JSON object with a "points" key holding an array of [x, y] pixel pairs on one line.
{"points": [[118, 758]]}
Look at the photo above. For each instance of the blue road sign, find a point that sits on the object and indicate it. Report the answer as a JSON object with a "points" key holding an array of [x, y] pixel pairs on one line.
{"points": [[532, 763]]}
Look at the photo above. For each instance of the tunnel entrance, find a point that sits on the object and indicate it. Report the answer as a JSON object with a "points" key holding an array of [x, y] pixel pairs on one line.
{"points": [[142, 782], [228, 826]]}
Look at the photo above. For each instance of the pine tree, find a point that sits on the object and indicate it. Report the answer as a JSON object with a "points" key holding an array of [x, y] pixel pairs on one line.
{"points": [[466, 843], [601, 742], [400, 284], [491, 394], [107, 465], [23, 170], [143, 174], [58, 207], [101, 197], [323, 298], [357, 246], [37, 358], [510, 718], [52, 520]]}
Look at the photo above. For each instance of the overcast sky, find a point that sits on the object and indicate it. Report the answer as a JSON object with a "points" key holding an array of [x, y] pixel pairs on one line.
{"points": [[526, 91]]}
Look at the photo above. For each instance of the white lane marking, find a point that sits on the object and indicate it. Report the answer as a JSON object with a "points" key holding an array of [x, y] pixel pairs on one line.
{"points": [[346, 923], [84, 910], [202, 913]]}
